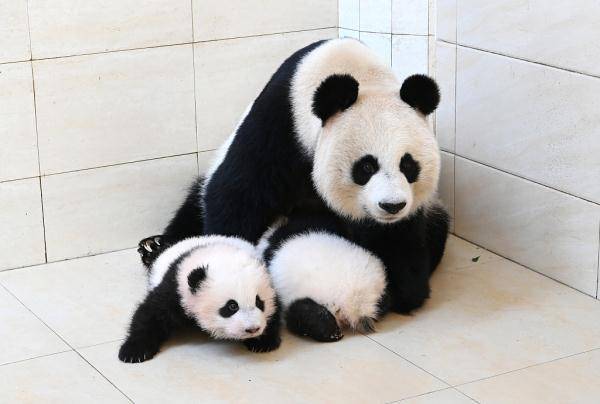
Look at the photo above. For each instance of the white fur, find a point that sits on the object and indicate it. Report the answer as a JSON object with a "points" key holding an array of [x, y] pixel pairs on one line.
{"points": [[378, 123], [234, 271], [332, 271]]}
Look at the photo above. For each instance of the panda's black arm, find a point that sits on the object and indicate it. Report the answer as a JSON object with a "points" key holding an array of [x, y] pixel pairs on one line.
{"points": [[271, 337], [150, 327]]}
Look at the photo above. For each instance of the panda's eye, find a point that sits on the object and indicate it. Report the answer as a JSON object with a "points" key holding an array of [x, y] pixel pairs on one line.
{"points": [[230, 308], [410, 168], [260, 304], [364, 168]]}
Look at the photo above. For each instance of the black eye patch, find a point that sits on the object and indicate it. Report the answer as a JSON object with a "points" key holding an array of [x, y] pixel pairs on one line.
{"points": [[260, 304], [364, 169], [230, 308], [410, 168]]}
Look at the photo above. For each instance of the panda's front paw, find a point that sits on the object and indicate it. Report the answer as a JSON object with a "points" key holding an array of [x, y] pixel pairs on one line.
{"points": [[136, 351], [263, 343], [150, 248]]}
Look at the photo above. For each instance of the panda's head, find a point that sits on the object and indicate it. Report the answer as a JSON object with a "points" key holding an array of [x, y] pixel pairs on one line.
{"points": [[226, 290], [376, 157]]}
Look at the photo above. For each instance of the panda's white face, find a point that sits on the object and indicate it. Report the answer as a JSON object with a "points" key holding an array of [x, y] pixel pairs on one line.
{"points": [[376, 160], [235, 298]]}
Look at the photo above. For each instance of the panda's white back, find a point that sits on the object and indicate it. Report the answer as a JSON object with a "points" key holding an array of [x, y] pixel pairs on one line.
{"points": [[332, 271]]}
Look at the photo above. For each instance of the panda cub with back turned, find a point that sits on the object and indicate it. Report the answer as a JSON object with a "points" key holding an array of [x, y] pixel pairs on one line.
{"points": [[218, 284]]}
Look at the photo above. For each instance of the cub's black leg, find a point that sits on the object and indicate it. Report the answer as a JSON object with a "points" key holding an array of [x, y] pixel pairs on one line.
{"points": [[437, 226], [308, 318], [149, 329], [270, 338], [150, 248]]}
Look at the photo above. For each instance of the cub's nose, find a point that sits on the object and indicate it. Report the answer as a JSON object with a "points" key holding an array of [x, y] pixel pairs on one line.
{"points": [[252, 330], [392, 208]]}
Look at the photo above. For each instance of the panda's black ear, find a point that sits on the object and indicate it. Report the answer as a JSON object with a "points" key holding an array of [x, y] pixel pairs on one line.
{"points": [[420, 92], [196, 277], [335, 94]]}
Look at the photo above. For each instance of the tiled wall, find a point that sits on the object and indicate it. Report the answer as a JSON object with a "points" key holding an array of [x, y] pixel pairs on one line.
{"points": [[109, 109], [520, 128], [400, 31]]}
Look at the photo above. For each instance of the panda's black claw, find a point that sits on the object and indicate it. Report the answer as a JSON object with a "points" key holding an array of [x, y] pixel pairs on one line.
{"points": [[133, 351], [150, 248]]}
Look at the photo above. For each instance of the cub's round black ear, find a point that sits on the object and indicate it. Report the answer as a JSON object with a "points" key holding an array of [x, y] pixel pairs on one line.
{"points": [[196, 277], [420, 92], [335, 94]]}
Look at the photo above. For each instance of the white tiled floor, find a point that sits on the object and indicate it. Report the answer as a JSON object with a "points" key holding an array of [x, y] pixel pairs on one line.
{"points": [[493, 331]]}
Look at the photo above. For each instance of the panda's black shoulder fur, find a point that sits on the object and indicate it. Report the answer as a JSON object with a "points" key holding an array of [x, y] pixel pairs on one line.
{"points": [[265, 172]]}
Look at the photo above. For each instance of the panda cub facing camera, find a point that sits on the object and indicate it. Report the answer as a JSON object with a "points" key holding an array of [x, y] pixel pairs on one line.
{"points": [[215, 283]]}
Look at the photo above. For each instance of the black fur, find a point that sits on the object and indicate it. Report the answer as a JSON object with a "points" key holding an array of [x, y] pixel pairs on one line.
{"points": [[307, 318], [335, 94], [364, 168], [410, 168], [420, 92], [265, 173], [150, 248], [195, 278], [188, 221], [271, 337]]}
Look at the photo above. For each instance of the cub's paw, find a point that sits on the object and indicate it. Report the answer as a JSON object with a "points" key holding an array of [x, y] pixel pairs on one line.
{"points": [[135, 351], [263, 344], [150, 248], [307, 318]]}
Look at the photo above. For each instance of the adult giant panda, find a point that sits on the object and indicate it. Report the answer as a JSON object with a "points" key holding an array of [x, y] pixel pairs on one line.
{"points": [[334, 126]]}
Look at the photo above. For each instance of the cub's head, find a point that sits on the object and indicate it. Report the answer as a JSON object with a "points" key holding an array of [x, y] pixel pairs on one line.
{"points": [[376, 157], [227, 291]]}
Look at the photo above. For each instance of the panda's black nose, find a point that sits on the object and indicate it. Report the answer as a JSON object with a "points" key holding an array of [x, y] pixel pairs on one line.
{"points": [[392, 208], [252, 330]]}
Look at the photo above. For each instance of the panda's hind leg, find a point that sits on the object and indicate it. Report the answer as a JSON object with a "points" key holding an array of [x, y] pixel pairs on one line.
{"points": [[306, 317]]}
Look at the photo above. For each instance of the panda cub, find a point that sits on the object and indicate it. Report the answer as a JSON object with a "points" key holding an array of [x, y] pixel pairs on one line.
{"points": [[325, 282], [218, 284]]}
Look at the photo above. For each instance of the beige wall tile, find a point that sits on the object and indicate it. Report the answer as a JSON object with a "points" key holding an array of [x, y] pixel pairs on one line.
{"points": [[86, 300], [22, 235], [222, 95], [205, 160], [557, 33], [410, 17], [534, 121], [74, 27], [381, 44], [23, 335], [546, 230], [114, 108], [446, 20], [214, 19], [409, 55], [18, 152], [447, 396], [110, 208], [61, 378], [568, 380], [446, 186], [14, 31], [349, 14], [376, 15], [445, 75]]}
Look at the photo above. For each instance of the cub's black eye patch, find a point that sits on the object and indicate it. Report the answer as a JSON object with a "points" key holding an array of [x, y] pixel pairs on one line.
{"points": [[410, 168], [260, 304], [230, 308], [364, 169]]}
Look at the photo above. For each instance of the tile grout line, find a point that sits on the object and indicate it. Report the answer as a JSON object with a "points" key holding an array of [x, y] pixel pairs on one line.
{"points": [[65, 341], [521, 265], [37, 137], [457, 386], [195, 95], [598, 266], [35, 357], [171, 44], [408, 360], [473, 160], [432, 392]]}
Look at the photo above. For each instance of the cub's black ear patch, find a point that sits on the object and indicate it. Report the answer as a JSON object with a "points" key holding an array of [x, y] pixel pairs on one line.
{"points": [[420, 92], [335, 94], [196, 277]]}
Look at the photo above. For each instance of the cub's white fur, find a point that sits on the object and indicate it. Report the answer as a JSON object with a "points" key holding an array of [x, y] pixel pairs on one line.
{"points": [[346, 279], [234, 271]]}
